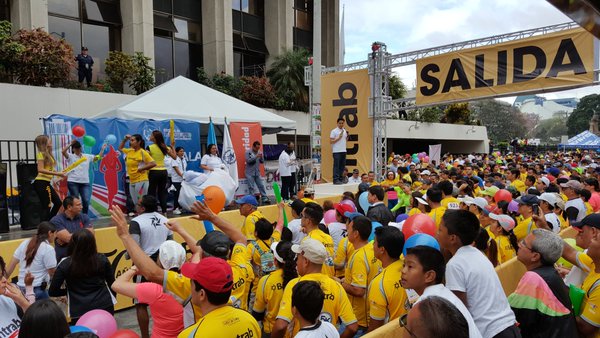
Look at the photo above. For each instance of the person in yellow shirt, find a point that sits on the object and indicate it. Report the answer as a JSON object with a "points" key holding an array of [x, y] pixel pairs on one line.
{"points": [[308, 195], [506, 242], [448, 201], [248, 208], [271, 286], [527, 203], [137, 161], [362, 267], [311, 255], [46, 170], [489, 193], [213, 283], [311, 217], [513, 177], [371, 178], [434, 197], [391, 180], [387, 297], [342, 254], [158, 176]]}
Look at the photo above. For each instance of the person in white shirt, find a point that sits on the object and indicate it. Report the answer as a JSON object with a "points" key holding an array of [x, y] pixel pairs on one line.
{"points": [[547, 204], [78, 179], [337, 229], [307, 303], [211, 160], [295, 225], [179, 167], [338, 138], [472, 278], [287, 172], [355, 178]]}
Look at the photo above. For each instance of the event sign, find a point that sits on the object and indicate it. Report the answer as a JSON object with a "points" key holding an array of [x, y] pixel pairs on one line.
{"points": [[553, 61], [243, 134], [346, 95]]}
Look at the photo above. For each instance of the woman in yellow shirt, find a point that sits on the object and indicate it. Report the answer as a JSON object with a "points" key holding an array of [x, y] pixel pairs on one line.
{"points": [[158, 176], [46, 170], [137, 163], [506, 241], [391, 180]]}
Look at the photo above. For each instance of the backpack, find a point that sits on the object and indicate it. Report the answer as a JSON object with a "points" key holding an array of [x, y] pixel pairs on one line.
{"points": [[267, 259]]}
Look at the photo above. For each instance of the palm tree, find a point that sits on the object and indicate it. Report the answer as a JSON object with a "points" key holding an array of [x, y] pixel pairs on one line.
{"points": [[287, 77]]}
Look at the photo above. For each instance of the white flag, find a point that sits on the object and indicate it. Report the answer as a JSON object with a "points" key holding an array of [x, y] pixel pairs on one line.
{"points": [[228, 155]]}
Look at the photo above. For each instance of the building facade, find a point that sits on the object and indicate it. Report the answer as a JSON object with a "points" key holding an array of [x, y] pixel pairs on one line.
{"points": [[236, 37]]}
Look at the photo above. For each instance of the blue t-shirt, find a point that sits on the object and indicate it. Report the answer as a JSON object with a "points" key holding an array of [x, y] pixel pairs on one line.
{"points": [[62, 222]]}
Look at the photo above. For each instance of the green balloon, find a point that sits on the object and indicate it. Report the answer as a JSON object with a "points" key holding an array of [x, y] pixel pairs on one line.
{"points": [[89, 141]]}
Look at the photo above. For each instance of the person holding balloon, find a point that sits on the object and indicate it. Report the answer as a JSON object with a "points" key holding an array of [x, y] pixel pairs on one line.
{"points": [[78, 179], [46, 171], [137, 161]]}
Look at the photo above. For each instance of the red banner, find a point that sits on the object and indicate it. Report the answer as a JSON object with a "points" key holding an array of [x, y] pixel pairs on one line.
{"points": [[243, 134]]}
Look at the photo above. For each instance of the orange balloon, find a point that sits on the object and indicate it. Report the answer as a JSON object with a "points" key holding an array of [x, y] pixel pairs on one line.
{"points": [[214, 198]]}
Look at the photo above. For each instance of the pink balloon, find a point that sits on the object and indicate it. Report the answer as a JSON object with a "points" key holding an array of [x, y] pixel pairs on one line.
{"points": [[99, 321], [350, 203], [426, 159], [329, 216]]}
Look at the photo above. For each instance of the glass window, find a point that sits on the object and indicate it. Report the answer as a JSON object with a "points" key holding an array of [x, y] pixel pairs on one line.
{"points": [[188, 30], [4, 10], [237, 64], [244, 6], [236, 5], [102, 11], [191, 9], [163, 59], [182, 61], [64, 7], [254, 7], [97, 40], [68, 29], [304, 20], [162, 6]]}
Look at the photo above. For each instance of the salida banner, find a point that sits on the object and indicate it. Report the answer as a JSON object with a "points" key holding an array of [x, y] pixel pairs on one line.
{"points": [[559, 60], [346, 95]]}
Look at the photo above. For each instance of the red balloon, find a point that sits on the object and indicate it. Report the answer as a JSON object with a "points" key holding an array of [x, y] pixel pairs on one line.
{"points": [[418, 224], [124, 333], [78, 131], [502, 195]]}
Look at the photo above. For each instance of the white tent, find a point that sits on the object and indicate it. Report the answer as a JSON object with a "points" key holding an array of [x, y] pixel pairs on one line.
{"points": [[182, 98]]}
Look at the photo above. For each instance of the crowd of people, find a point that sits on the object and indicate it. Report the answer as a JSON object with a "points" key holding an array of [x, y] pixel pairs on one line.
{"points": [[345, 275]]}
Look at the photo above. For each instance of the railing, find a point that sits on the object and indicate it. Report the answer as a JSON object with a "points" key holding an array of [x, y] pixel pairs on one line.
{"points": [[13, 152]]}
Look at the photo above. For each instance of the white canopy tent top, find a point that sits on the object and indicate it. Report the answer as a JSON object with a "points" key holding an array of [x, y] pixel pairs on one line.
{"points": [[182, 98]]}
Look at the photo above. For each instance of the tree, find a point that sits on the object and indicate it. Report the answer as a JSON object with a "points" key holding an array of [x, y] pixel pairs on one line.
{"points": [[287, 77], [579, 120], [42, 60], [119, 68], [550, 130], [503, 121], [10, 52], [143, 78], [397, 89], [227, 84], [457, 113], [431, 114], [258, 91]]}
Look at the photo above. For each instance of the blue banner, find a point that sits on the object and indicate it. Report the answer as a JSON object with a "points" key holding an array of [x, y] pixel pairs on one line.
{"points": [[107, 175]]}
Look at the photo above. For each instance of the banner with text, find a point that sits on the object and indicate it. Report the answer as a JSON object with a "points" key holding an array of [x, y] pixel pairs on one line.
{"points": [[243, 135], [346, 95], [547, 62]]}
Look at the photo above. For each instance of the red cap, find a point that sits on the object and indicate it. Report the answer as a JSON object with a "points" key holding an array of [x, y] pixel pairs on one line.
{"points": [[214, 274], [551, 178], [342, 208]]}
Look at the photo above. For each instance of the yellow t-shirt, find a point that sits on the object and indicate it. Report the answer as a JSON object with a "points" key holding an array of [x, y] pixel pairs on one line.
{"points": [[180, 288], [436, 214], [335, 306], [44, 177], [387, 297], [524, 228], [158, 156], [588, 208], [564, 223], [265, 246], [327, 241], [361, 269], [308, 200], [390, 183], [243, 275], [450, 203], [133, 160], [343, 253], [519, 185], [248, 227], [505, 250], [268, 297], [413, 211], [591, 302], [225, 321]]}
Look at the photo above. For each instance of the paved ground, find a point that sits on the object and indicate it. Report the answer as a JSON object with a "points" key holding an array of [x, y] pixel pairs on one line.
{"points": [[127, 319]]}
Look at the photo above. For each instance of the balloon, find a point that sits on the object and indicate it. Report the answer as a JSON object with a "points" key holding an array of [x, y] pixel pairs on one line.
{"points": [[513, 206], [503, 195], [401, 217], [563, 261], [374, 225], [420, 156], [419, 223], [420, 239], [89, 140], [110, 139], [350, 203], [363, 202], [76, 328], [124, 333], [78, 131], [329, 216], [99, 321], [426, 159], [214, 198]]}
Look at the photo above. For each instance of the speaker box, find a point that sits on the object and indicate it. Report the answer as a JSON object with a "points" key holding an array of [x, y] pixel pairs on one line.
{"points": [[4, 224], [30, 208]]}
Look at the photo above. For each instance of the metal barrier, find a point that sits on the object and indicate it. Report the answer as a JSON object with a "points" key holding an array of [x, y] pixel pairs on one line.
{"points": [[13, 152]]}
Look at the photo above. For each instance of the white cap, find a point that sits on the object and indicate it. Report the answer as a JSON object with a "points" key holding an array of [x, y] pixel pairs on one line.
{"points": [[548, 197], [545, 180], [171, 255], [421, 200], [274, 249], [312, 250], [425, 172]]}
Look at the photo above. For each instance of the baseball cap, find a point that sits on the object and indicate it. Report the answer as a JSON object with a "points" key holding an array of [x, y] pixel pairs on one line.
{"points": [[84, 48], [312, 250], [592, 220], [275, 254], [355, 171], [491, 209], [553, 171], [548, 197], [425, 172], [216, 244], [297, 205], [342, 208], [480, 202], [352, 215], [490, 191], [572, 184], [528, 200], [247, 199], [545, 181], [421, 200], [171, 255], [214, 274], [506, 222], [309, 191]]}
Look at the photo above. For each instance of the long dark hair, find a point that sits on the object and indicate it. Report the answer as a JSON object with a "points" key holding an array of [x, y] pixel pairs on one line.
{"points": [[284, 250], [44, 319], [84, 254], [209, 147], [487, 246], [42, 234], [159, 140], [140, 139]]}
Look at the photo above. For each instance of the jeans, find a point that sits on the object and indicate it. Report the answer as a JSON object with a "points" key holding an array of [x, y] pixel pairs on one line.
{"points": [[81, 191], [339, 162], [137, 190], [177, 186], [253, 183], [38, 291], [158, 187], [46, 195]]}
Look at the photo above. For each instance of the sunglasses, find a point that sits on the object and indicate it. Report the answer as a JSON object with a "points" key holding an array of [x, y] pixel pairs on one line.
{"points": [[404, 324]]}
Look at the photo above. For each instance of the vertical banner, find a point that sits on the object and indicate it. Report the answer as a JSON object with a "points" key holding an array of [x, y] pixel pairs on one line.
{"points": [[346, 95], [435, 152], [247, 133]]}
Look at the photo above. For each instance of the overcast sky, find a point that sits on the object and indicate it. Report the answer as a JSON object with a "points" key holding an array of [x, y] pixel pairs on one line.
{"points": [[406, 25]]}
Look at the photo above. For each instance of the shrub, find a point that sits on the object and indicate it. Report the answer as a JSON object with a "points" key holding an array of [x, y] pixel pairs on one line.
{"points": [[119, 68], [258, 91]]}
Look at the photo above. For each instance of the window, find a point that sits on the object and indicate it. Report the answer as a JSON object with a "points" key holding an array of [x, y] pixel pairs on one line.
{"points": [[4, 10], [303, 24], [249, 49], [254, 7]]}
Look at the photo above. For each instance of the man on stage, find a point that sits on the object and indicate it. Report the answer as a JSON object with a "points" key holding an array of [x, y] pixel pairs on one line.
{"points": [[338, 138]]}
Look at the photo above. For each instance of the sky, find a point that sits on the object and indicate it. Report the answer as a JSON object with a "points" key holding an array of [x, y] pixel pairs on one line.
{"points": [[407, 25]]}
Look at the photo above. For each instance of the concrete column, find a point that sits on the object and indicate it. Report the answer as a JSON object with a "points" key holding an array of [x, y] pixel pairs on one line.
{"points": [[137, 34], [330, 33], [29, 14], [279, 27], [217, 36], [317, 54]]}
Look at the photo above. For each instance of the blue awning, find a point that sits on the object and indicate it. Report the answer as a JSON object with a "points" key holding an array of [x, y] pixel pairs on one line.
{"points": [[585, 140]]}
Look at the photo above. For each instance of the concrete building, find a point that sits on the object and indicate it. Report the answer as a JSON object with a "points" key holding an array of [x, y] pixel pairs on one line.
{"points": [[236, 37]]}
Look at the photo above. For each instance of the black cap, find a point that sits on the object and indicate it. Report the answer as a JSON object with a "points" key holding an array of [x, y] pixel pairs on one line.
{"points": [[592, 220], [528, 200], [84, 48], [216, 244], [298, 205]]}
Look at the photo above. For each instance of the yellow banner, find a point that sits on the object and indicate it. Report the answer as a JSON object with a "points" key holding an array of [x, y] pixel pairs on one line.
{"points": [[549, 62], [346, 95]]}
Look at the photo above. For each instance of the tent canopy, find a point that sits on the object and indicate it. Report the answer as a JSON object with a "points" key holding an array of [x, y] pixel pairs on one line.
{"points": [[585, 140], [182, 98]]}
